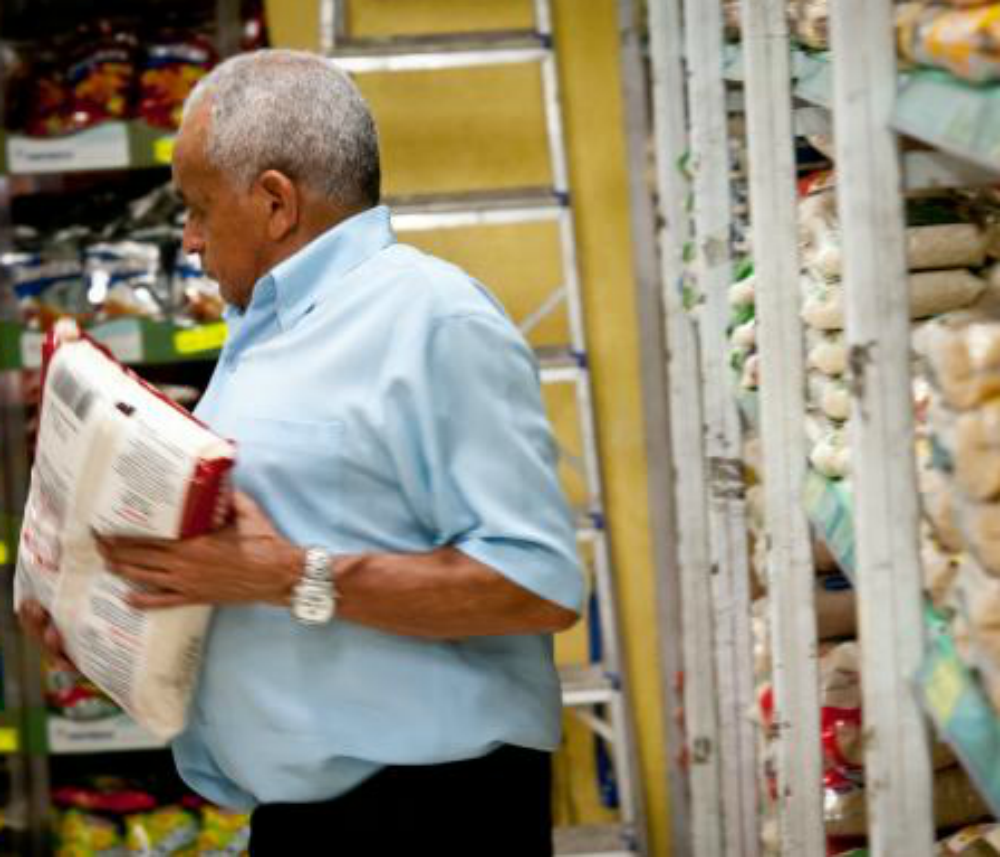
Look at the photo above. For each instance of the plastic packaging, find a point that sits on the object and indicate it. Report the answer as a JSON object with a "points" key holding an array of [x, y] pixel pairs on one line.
{"points": [[965, 42], [827, 352], [171, 69], [117, 458], [963, 354], [830, 396]]}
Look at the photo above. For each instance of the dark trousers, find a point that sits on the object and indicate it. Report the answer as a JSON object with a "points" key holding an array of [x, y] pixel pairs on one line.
{"points": [[495, 806]]}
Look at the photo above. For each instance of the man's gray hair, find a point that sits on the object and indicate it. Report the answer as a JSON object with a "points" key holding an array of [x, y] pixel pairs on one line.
{"points": [[294, 112]]}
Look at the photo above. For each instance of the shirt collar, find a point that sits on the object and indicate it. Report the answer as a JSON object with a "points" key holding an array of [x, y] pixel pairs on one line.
{"points": [[298, 281]]}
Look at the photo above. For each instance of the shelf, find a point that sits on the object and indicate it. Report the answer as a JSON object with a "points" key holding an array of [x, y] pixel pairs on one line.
{"points": [[429, 53], [477, 208], [960, 118], [131, 340], [108, 146], [605, 840]]}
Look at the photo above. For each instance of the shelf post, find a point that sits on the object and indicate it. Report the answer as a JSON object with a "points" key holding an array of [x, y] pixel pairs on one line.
{"points": [[791, 577], [891, 628], [723, 450]]}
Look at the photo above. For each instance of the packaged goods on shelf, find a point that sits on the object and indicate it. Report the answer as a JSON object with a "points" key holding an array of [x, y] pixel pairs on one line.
{"points": [[965, 42], [116, 458], [170, 70], [830, 396], [811, 22], [963, 355], [826, 352], [940, 568], [830, 452], [940, 507], [932, 293], [836, 610], [124, 278], [980, 840]]}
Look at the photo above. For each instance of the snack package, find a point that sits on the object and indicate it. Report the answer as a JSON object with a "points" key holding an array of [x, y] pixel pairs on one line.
{"points": [[116, 458], [124, 279], [100, 79], [170, 71], [165, 831], [46, 102], [48, 287], [71, 695], [196, 295], [965, 42], [223, 833], [80, 834]]}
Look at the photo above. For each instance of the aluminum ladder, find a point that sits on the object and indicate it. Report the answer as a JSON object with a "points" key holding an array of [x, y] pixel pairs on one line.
{"points": [[594, 692]]}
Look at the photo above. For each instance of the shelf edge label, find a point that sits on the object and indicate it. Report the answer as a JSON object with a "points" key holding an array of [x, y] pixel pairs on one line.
{"points": [[101, 148]]}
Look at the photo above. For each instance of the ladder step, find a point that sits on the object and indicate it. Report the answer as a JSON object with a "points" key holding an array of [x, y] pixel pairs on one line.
{"points": [[586, 685], [453, 50], [476, 208], [559, 364], [599, 840]]}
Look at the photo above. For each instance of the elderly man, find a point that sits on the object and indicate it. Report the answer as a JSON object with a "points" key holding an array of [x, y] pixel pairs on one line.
{"points": [[378, 678]]}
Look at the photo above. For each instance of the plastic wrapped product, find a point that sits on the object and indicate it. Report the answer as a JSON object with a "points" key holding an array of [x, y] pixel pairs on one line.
{"points": [[223, 833], [976, 451], [163, 832], [743, 292], [100, 78], [827, 352], [830, 396], [823, 306], [977, 596], [117, 458], [980, 840], [830, 454], [745, 336], [196, 295], [170, 70], [963, 353], [956, 803], [124, 279], [940, 568], [836, 611], [946, 245], [940, 509], [965, 42], [80, 834], [812, 23], [980, 527]]}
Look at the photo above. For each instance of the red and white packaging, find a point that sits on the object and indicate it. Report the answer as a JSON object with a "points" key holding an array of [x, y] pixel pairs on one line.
{"points": [[116, 457]]}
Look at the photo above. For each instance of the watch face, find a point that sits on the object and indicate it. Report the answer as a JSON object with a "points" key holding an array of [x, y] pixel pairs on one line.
{"points": [[313, 605]]}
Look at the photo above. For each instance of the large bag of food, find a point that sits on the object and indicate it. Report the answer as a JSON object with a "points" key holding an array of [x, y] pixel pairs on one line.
{"points": [[965, 42], [117, 458], [826, 352], [962, 352], [830, 396], [931, 293]]}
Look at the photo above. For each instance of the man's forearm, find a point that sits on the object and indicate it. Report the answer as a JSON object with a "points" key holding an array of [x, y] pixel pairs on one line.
{"points": [[441, 594]]}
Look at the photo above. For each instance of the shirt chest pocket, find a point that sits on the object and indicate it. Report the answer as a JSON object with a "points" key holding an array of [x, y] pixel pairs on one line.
{"points": [[297, 466]]}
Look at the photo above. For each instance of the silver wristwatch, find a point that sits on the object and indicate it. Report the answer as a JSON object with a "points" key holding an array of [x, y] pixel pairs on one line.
{"points": [[314, 598]]}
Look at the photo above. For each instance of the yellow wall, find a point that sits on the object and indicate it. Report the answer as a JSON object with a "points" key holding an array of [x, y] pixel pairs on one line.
{"points": [[483, 128]]}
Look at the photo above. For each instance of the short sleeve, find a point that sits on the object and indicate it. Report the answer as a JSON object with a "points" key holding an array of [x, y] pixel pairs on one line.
{"points": [[478, 459]]}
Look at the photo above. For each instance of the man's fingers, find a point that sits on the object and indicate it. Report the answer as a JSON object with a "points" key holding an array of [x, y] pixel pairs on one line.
{"points": [[160, 600]]}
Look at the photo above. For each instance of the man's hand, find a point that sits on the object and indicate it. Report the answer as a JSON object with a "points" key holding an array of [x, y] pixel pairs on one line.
{"points": [[247, 561], [38, 625]]}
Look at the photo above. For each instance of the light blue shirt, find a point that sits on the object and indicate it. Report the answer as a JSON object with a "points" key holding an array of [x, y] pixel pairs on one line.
{"points": [[381, 401]]}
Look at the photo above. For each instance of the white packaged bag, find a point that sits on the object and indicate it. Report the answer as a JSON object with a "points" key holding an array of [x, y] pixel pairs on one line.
{"points": [[116, 457]]}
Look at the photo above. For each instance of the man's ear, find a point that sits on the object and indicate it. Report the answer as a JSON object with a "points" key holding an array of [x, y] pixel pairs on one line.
{"points": [[281, 201]]}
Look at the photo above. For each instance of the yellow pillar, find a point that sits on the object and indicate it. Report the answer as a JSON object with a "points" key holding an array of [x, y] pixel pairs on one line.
{"points": [[481, 129]]}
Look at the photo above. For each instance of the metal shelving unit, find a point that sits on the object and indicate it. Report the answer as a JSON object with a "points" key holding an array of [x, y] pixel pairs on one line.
{"points": [[909, 660]]}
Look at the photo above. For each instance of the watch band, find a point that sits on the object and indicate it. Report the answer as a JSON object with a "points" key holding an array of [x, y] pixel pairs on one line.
{"points": [[314, 598]]}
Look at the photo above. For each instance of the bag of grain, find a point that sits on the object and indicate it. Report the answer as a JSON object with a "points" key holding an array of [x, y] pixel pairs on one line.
{"points": [[115, 457]]}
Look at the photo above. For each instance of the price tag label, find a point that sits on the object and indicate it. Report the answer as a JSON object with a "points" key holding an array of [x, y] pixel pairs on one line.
{"points": [[31, 349], [208, 337], [163, 150], [102, 148], [4, 554], [9, 740], [943, 689]]}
